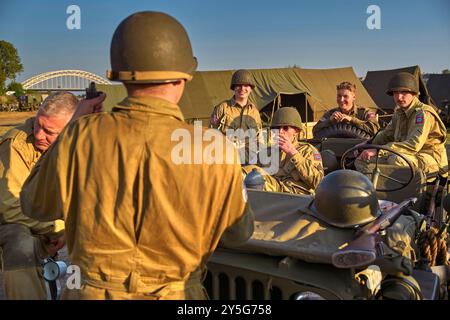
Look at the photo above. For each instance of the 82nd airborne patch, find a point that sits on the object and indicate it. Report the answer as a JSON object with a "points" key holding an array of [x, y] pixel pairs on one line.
{"points": [[214, 119], [419, 118]]}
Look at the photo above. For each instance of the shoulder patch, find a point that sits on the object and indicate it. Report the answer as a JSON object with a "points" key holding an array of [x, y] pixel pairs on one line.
{"points": [[419, 118], [317, 156], [371, 115], [214, 119]]}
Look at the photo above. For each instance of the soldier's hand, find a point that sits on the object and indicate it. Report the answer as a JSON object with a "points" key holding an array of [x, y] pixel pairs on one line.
{"points": [[367, 154], [340, 117], [335, 116], [88, 106], [359, 145], [286, 146], [54, 245], [345, 118]]}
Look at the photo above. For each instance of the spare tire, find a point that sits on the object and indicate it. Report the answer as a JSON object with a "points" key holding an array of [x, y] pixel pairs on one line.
{"points": [[341, 130]]}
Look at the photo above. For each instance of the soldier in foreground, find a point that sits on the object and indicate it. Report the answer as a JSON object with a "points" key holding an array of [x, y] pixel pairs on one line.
{"points": [[139, 225], [301, 169], [348, 112], [416, 131], [23, 240]]}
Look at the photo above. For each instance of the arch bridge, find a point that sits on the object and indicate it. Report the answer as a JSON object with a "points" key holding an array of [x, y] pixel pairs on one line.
{"points": [[67, 80]]}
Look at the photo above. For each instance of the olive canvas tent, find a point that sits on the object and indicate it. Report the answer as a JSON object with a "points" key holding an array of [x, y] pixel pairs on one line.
{"points": [[316, 95], [439, 87], [376, 83], [311, 91]]}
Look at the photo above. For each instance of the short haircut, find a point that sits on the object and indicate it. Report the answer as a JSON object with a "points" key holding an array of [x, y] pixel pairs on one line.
{"points": [[59, 104], [346, 86]]}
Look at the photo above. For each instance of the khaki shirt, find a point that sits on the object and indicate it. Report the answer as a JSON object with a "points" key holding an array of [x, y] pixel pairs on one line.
{"points": [[230, 115], [415, 131], [301, 173], [361, 118], [18, 155], [133, 215]]}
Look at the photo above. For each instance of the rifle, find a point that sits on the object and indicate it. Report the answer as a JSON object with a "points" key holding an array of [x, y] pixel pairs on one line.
{"points": [[430, 216], [363, 249]]}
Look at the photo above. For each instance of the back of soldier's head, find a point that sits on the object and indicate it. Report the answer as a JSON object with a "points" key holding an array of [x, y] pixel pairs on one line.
{"points": [[151, 48], [57, 104]]}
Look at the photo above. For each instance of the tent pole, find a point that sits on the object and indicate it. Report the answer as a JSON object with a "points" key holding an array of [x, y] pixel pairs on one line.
{"points": [[306, 115]]}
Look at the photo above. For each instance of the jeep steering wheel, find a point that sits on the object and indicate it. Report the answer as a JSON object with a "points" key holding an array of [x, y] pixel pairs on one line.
{"points": [[376, 171]]}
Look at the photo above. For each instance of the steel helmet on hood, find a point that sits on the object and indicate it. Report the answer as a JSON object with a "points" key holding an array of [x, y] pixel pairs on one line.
{"points": [[345, 199]]}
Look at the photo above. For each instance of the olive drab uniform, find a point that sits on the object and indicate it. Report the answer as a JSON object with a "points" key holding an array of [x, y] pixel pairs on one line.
{"points": [[418, 134], [145, 228], [362, 118], [230, 115], [300, 174], [20, 236]]}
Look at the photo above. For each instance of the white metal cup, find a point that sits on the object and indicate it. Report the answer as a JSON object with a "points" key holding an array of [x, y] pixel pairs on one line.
{"points": [[54, 270]]}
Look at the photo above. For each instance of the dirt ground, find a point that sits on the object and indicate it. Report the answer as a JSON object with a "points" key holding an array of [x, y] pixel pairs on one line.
{"points": [[9, 120]]}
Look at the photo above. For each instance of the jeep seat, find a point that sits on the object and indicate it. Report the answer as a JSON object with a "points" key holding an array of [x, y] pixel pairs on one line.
{"points": [[329, 161]]}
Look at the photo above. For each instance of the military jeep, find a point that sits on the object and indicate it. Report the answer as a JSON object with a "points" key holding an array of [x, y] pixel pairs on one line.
{"points": [[290, 255]]}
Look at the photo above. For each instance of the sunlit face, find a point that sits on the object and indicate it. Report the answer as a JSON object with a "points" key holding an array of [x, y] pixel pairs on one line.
{"points": [[403, 98], [345, 100], [47, 128], [242, 91], [288, 132]]}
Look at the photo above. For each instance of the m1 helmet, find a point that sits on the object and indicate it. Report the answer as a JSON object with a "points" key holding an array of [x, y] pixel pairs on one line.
{"points": [[242, 77], [403, 81], [345, 199], [287, 116], [151, 47]]}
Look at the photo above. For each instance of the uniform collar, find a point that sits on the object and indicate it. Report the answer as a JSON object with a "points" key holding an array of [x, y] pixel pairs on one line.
{"points": [[29, 130], [29, 126], [152, 105], [352, 110], [411, 109], [235, 104]]}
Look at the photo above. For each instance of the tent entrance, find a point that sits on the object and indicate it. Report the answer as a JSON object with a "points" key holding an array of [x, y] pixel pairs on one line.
{"points": [[298, 101]]}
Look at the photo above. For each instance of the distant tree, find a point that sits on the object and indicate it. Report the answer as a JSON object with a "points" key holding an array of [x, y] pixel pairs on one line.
{"points": [[10, 64], [17, 88], [293, 66], [445, 71]]}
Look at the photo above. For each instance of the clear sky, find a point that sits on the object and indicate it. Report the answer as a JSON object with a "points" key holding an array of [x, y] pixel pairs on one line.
{"points": [[240, 34]]}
